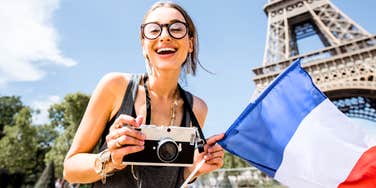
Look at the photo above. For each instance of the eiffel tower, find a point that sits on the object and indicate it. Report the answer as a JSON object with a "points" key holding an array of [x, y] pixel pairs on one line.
{"points": [[344, 68]]}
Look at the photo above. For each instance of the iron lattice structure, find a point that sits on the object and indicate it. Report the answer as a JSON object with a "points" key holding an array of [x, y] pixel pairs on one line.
{"points": [[344, 69]]}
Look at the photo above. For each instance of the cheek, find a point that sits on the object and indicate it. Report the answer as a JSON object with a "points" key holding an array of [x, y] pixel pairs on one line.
{"points": [[147, 48], [185, 47]]}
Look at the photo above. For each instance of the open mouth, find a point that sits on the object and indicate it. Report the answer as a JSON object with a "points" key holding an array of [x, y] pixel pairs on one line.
{"points": [[166, 51]]}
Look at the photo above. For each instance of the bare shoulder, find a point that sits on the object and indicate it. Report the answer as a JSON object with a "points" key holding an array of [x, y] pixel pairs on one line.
{"points": [[114, 81], [109, 91], [200, 108], [199, 104]]}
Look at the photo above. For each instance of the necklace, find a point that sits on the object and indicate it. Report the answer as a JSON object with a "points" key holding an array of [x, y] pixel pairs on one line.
{"points": [[173, 107]]}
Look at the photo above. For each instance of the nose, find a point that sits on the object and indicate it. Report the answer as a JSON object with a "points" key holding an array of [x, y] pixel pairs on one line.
{"points": [[165, 36]]}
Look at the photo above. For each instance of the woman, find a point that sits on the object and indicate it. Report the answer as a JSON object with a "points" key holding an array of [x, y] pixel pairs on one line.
{"points": [[169, 43]]}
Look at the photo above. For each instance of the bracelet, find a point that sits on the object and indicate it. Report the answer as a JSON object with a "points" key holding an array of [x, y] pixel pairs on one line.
{"points": [[102, 163]]}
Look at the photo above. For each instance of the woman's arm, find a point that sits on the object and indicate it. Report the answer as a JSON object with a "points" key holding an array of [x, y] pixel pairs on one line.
{"points": [[103, 104], [213, 153]]}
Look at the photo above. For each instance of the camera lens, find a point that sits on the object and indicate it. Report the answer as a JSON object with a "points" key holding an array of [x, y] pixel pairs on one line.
{"points": [[167, 150]]}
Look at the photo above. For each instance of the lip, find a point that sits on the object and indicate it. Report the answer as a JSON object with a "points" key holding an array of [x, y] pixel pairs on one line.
{"points": [[166, 55], [160, 47], [166, 47]]}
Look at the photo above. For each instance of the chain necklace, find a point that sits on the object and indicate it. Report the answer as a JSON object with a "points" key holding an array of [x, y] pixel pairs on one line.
{"points": [[173, 107]]}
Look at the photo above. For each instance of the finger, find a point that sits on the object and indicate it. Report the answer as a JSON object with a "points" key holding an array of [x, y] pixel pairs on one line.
{"points": [[113, 144], [214, 148], [123, 140], [218, 154], [122, 120], [116, 133], [215, 161], [213, 139], [133, 133], [129, 140], [139, 120], [113, 135], [117, 155]]}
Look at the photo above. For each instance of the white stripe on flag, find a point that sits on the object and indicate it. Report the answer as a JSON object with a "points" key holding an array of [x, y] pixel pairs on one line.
{"points": [[323, 150]]}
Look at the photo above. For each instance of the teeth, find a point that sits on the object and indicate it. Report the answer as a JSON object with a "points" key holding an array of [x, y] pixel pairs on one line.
{"points": [[165, 50]]}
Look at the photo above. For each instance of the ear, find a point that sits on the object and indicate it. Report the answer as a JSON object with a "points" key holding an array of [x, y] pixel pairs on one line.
{"points": [[190, 50]]}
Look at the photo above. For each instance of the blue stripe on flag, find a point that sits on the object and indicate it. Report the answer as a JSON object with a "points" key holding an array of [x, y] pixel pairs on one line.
{"points": [[262, 131]]}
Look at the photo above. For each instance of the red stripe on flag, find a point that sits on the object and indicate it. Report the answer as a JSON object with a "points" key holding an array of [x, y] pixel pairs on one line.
{"points": [[364, 172]]}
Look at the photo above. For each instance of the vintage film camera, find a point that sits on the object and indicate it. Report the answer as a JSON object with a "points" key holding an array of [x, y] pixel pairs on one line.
{"points": [[166, 146]]}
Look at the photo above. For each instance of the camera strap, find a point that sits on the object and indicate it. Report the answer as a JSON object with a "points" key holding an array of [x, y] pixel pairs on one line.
{"points": [[188, 106], [148, 103]]}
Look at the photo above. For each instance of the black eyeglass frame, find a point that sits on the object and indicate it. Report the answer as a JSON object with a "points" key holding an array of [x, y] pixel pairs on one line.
{"points": [[161, 26]]}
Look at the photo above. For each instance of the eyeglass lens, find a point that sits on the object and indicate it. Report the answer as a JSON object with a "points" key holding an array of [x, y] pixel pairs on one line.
{"points": [[176, 30]]}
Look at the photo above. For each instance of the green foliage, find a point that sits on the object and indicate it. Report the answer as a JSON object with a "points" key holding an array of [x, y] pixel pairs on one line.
{"points": [[70, 111], [19, 146], [232, 161], [67, 116], [47, 179], [25, 149], [9, 106], [46, 136], [60, 149]]}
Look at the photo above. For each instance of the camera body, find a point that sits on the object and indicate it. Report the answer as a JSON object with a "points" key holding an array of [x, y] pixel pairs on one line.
{"points": [[165, 146]]}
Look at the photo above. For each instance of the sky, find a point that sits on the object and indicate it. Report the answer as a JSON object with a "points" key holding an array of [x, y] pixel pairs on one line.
{"points": [[51, 48]]}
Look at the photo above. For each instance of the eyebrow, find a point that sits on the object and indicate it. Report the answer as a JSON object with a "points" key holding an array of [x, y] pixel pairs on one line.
{"points": [[177, 20]]}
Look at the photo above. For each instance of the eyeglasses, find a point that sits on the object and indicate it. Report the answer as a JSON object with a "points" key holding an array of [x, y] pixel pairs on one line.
{"points": [[153, 30]]}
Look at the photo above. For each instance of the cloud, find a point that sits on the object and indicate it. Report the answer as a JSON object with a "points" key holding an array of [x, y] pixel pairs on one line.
{"points": [[43, 106], [28, 40]]}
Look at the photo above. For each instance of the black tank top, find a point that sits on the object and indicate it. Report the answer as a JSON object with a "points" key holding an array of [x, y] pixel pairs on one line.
{"points": [[145, 176]]}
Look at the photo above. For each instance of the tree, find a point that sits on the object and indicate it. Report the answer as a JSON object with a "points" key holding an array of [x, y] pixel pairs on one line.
{"points": [[19, 145], [70, 111], [23, 145], [47, 179], [232, 161], [9, 106], [46, 136], [65, 116]]}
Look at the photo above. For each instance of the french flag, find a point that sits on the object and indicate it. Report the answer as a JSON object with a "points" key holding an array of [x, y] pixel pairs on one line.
{"points": [[293, 133]]}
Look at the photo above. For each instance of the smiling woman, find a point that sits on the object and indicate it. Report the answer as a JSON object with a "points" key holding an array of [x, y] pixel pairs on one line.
{"points": [[124, 105]]}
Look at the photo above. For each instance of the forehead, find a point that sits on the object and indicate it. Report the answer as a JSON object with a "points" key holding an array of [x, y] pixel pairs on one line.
{"points": [[164, 15]]}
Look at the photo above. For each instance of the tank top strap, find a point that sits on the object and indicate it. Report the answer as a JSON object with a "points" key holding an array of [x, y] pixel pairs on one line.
{"points": [[129, 96], [187, 117], [125, 108]]}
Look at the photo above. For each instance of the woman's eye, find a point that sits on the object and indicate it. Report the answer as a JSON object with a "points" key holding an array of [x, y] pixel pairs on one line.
{"points": [[176, 29], [154, 31]]}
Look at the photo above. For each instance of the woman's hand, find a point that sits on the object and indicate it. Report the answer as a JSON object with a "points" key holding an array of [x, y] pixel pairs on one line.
{"points": [[213, 155], [123, 140]]}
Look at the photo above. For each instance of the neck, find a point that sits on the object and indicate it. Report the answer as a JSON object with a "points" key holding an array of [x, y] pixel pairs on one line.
{"points": [[163, 85]]}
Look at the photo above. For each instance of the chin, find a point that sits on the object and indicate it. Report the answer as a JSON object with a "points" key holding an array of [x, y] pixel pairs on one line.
{"points": [[167, 64]]}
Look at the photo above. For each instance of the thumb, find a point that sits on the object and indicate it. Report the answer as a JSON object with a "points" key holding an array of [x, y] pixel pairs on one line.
{"points": [[214, 139]]}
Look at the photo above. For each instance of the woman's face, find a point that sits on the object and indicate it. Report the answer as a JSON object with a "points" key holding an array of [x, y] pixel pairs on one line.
{"points": [[166, 53]]}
